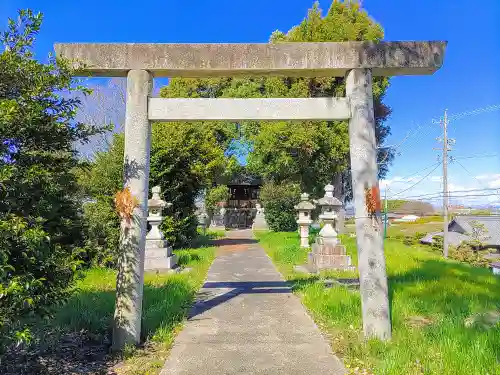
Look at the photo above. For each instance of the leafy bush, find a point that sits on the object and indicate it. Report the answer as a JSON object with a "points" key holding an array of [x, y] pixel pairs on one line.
{"points": [[180, 231], [184, 159], [279, 201], [101, 231], [40, 218], [437, 244], [410, 240], [466, 253], [215, 195]]}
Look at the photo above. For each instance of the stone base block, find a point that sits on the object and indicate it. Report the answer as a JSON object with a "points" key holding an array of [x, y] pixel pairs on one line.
{"points": [[156, 244], [158, 259], [330, 256], [329, 249]]}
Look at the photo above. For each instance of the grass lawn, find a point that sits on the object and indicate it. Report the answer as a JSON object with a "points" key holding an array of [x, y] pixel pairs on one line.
{"points": [[432, 302], [77, 340], [407, 229]]}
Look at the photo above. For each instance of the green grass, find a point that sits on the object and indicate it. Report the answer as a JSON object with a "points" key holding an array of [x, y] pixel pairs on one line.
{"points": [[409, 229], [89, 313], [431, 300], [205, 239], [422, 225]]}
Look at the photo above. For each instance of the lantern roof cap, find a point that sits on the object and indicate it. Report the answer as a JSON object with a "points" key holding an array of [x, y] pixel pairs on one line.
{"points": [[304, 203], [156, 201], [329, 199]]}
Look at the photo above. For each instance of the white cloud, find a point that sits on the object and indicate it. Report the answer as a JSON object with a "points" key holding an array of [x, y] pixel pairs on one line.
{"points": [[488, 176], [494, 184]]}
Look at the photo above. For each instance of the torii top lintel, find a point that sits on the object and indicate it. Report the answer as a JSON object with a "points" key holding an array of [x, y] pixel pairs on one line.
{"points": [[285, 59]]}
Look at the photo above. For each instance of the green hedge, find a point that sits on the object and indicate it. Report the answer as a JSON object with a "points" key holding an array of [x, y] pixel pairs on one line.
{"points": [[279, 201]]}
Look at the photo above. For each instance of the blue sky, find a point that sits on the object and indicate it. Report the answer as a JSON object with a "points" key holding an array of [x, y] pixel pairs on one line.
{"points": [[469, 79]]}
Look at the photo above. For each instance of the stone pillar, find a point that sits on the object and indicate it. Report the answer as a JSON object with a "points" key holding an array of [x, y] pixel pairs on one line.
{"points": [[371, 259], [130, 278]]}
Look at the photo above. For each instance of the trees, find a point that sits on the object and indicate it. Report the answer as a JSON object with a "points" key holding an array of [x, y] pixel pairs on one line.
{"points": [[279, 201], [185, 158], [309, 153], [39, 211], [478, 234]]}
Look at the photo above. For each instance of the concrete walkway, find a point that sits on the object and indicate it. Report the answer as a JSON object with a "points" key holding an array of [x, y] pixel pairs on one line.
{"points": [[247, 321]]}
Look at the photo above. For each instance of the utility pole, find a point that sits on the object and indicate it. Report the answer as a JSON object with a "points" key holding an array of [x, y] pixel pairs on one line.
{"points": [[447, 142], [445, 185]]}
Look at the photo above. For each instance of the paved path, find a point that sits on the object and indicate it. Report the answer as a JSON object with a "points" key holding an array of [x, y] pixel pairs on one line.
{"points": [[247, 321]]}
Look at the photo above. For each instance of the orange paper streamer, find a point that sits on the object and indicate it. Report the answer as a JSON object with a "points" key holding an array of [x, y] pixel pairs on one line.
{"points": [[125, 203]]}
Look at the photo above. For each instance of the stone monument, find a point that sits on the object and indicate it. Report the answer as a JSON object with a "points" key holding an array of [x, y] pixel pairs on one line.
{"points": [[259, 223], [159, 254], [328, 252], [304, 207]]}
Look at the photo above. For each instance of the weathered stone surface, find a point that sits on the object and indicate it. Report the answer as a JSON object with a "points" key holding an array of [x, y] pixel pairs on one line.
{"points": [[159, 255], [330, 249], [160, 260], [128, 311], [333, 262], [371, 259], [286, 59], [329, 256], [237, 109]]}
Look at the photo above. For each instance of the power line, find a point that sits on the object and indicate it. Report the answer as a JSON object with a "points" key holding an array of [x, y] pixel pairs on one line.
{"points": [[419, 181], [453, 117], [403, 179], [417, 173], [473, 112], [406, 138], [465, 169], [440, 193], [476, 156]]}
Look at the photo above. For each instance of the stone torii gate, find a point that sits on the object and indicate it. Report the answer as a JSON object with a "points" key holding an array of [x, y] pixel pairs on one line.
{"points": [[356, 61]]}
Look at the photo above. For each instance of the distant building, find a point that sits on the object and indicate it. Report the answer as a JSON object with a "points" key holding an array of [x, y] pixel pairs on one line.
{"points": [[460, 228], [407, 219], [239, 210]]}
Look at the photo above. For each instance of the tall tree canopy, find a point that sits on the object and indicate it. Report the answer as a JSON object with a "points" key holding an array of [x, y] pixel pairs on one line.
{"points": [[309, 153], [39, 212]]}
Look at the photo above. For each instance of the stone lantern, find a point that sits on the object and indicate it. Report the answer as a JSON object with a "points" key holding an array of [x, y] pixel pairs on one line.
{"points": [[202, 222], [328, 252], [330, 209], [159, 254], [304, 208]]}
